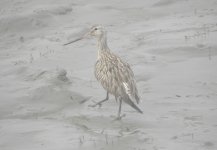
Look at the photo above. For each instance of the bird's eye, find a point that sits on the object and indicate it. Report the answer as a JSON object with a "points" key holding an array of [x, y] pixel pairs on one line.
{"points": [[95, 29]]}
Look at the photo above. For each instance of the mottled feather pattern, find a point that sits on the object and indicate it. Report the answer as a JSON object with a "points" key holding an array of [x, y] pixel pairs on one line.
{"points": [[116, 76]]}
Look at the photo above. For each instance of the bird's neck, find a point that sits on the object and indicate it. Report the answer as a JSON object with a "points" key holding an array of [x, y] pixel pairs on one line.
{"points": [[102, 45]]}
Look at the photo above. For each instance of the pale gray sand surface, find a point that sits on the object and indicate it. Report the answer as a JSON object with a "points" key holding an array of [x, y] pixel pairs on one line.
{"points": [[45, 88]]}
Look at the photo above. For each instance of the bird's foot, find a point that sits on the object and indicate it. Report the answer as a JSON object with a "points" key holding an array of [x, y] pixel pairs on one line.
{"points": [[119, 117], [96, 103]]}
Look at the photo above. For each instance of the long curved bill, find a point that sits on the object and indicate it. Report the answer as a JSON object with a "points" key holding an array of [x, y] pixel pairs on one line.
{"points": [[78, 39], [73, 41]]}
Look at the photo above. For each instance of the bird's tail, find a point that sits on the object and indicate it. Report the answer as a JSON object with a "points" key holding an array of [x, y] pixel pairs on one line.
{"points": [[136, 108], [129, 101]]}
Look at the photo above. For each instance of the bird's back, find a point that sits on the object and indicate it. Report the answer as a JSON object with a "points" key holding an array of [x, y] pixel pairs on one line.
{"points": [[116, 77]]}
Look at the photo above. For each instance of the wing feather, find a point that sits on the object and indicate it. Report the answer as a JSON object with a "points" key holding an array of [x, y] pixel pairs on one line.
{"points": [[116, 76]]}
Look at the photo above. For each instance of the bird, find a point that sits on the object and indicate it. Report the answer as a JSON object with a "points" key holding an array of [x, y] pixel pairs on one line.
{"points": [[114, 74]]}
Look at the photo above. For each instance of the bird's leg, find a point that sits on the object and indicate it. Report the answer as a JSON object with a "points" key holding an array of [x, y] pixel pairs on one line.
{"points": [[119, 111], [100, 102], [119, 117]]}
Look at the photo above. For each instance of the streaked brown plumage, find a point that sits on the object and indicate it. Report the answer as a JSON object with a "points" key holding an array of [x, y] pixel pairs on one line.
{"points": [[115, 75]]}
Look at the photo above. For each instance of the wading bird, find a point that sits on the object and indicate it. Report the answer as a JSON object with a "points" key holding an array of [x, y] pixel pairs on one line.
{"points": [[114, 74]]}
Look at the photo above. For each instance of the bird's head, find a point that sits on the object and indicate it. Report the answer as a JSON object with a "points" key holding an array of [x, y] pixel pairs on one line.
{"points": [[97, 31]]}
